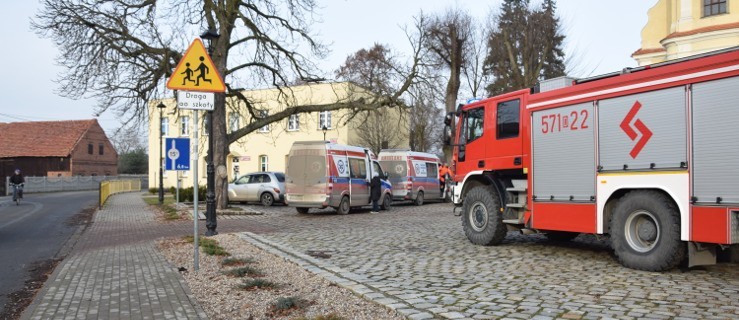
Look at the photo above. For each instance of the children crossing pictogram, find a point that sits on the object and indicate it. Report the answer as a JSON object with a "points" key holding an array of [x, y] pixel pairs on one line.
{"points": [[206, 76]]}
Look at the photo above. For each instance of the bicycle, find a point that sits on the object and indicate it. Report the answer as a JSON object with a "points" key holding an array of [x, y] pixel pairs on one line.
{"points": [[17, 193]]}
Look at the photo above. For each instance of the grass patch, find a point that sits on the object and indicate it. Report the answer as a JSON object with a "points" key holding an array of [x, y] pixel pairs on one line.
{"points": [[168, 207], [254, 284], [232, 262], [330, 316], [209, 246], [285, 305], [155, 200], [243, 272]]}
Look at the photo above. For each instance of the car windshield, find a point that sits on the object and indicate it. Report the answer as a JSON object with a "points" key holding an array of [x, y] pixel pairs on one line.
{"points": [[280, 176]]}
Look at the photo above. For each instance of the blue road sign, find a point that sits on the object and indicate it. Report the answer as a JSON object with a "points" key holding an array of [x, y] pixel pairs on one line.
{"points": [[178, 154]]}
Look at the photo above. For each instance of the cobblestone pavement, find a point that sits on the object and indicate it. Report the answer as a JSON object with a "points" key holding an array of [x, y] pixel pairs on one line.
{"points": [[418, 261]]}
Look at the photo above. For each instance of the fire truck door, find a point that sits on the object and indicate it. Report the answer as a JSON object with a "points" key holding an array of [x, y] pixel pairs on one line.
{"points": [[472, 137], [504, 146]]}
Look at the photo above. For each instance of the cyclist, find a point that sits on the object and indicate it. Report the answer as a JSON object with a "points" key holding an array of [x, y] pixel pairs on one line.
{"points": [[17, 180]]}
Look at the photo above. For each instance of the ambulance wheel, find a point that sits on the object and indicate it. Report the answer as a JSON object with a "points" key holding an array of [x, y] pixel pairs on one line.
{"points": [[343, 207], [302, 210], [482, 219], [561, 236], [267, 199], [387, 201], [419, 198], [645, 232]]}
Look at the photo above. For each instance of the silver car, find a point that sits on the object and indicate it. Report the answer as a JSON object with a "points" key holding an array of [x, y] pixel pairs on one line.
{"points": [[265, 187]]}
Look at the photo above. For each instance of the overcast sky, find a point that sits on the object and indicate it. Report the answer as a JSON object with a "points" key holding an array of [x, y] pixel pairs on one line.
{"points": [[601, 35]]}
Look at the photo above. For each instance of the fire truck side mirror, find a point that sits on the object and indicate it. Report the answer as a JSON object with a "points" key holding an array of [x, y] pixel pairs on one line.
{"points": [[448, 132], [448, 119]]}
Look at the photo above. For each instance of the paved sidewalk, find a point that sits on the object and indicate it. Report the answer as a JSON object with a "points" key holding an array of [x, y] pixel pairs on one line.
{"points": [[115, 272]]}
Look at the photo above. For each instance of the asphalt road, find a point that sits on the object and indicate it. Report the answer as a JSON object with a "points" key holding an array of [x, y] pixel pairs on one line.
{"points": [[35, 231]]}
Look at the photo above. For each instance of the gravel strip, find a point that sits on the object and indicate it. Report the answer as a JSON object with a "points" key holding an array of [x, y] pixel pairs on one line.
{"points": [[220, 297]]}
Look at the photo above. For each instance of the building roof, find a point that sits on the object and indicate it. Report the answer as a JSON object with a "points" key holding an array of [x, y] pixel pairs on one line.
{"points": [[42, 138]]}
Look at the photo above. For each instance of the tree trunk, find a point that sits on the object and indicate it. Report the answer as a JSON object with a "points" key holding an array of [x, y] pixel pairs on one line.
{"points": [[220, 137], [452, 87]]}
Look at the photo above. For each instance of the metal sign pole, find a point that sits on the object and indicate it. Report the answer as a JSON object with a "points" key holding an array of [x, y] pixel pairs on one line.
{"points": [[195, 191]]}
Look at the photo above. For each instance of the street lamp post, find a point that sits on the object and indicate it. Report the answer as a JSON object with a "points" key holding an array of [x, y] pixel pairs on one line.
{"points": [[161, 107], [210, 198], [324, 129]]}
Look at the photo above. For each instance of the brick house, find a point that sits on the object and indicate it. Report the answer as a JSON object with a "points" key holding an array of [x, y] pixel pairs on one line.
{"points": [[56, 149]]}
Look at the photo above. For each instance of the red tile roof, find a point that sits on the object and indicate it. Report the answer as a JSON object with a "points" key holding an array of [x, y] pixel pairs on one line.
{"points": [[42, 138]]}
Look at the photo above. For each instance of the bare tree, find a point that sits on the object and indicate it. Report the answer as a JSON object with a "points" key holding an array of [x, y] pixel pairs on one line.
{"points": [[378, 71], [122, 52], [425, 121], [449, 36], [525, 47]]}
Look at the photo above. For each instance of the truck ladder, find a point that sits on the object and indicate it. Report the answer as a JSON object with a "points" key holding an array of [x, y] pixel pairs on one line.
{"points": [[517, 194]]}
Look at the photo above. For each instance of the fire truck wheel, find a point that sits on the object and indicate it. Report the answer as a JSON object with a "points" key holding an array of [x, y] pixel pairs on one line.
{"points": [[482, 219], [419, 198], [387, 201], [302, 210], [267, 199], [343, 207], [561, 236], [645, 232]]}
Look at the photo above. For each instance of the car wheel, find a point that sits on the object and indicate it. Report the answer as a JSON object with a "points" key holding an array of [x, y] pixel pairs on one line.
{"points": [[419, 198], [645, 232], [302, 210], [267, 199], [343, 207], [481, 219], [386, 202]]}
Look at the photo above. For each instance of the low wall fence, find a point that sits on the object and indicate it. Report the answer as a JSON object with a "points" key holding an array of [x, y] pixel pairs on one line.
{"points": [[76, 183], [108, 188]]}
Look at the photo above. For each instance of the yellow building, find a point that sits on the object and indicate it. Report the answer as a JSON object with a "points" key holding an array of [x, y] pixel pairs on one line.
{"points": [[681, 28], [267, 148]]}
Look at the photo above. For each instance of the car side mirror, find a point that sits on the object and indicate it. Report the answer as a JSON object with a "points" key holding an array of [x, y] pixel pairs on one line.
{"points": [[386, 175]]}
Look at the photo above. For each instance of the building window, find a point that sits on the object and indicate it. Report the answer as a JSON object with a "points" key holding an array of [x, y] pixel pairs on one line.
{"points": [[293, 122], [234, 123], [165, 126], [185, 125], [100, 149], [263, 114], [90, 148], [324, 120], [713, 7], [263, 163]]}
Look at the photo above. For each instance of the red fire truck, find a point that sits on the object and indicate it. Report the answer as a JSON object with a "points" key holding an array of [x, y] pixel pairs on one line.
{"points": [[649, 155]]}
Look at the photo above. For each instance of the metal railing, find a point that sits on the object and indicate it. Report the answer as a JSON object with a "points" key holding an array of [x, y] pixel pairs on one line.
{"points": [[108, 188]]}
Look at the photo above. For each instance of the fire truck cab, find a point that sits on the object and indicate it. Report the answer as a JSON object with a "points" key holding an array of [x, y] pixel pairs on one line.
{"points": [[649, 155]]}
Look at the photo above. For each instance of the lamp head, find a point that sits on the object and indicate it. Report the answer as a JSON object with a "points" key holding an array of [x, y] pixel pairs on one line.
{"points": [[211, 34]]}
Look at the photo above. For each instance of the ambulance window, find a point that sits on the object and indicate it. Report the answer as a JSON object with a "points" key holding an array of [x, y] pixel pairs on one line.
{"points": [[376, 167], [508, 119], [432, 169], [358, 169]]}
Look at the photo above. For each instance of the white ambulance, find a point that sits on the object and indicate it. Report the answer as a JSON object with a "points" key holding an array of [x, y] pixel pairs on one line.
{"points": [[413, 175], [321, 174]]}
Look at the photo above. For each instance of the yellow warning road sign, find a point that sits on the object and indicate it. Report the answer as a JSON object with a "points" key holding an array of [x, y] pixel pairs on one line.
{"points": [[196, 71]]}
